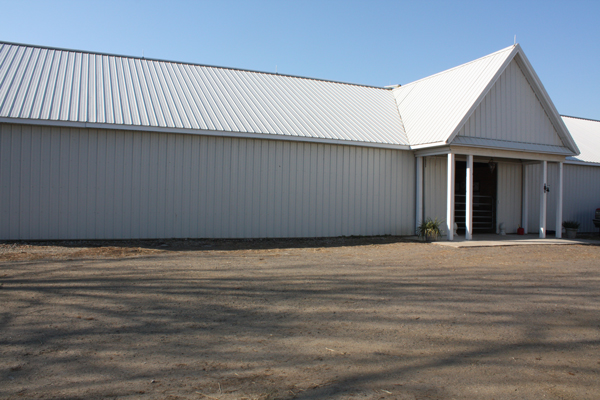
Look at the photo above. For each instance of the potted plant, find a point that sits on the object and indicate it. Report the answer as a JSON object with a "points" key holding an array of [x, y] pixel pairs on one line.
{"points": [[429, 229], [571, 228]]}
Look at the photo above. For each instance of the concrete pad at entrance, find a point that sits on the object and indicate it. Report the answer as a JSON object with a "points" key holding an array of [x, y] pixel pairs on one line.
{"points": [[488, 240]]}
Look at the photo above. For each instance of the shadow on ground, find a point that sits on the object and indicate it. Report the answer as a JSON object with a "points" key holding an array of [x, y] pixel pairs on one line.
{"points": [[395, 320]]}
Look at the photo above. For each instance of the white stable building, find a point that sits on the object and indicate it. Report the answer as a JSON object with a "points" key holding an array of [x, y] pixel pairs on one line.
{"points": [[100, 146]]}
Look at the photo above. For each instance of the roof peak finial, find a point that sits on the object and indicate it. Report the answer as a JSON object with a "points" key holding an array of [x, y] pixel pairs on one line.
{"points": [[515, 41]]}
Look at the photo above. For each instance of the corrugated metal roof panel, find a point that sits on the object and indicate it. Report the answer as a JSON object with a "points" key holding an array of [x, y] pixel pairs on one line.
{"points": [[73, 86], [432, 108], [586, 134]]}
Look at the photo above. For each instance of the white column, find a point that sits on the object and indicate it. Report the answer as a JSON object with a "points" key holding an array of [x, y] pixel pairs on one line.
{"points": [[450, 198], [543, 200], [419, 216], [525, 201], [559, 201], [469, 200]]}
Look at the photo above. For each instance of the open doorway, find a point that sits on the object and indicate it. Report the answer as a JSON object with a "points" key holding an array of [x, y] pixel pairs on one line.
{"points": [[485, 179]]}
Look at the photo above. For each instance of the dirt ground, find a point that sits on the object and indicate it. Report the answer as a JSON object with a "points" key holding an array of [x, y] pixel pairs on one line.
{"points": [[375, 318]]}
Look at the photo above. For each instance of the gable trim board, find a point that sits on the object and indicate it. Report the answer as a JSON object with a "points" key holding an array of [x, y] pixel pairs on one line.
{"points": [[294, 157]]}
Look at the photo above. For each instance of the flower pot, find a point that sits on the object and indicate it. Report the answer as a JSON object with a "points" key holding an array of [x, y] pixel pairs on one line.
{"points": [[571, 233]]}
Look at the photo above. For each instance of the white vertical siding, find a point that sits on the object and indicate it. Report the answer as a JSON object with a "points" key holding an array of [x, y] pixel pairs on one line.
{"points": [[509, 192], [511, 112], [581, 195], [69, 183], [534, 173], [435, 182]]}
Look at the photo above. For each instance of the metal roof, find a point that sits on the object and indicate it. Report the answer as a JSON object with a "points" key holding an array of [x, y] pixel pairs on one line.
{"points": [[74, 87], [586, 133], [433, 107]]}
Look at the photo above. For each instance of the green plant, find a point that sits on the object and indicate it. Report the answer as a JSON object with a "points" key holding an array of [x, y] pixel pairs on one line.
{"points": [[429, 229], [570, 224]]}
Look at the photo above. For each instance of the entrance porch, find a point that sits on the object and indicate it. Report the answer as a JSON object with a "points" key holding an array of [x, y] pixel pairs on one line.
{"points": [[483, 191]]}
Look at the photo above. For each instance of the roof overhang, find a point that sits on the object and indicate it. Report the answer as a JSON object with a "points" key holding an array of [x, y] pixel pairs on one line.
{"points": [[186, 131], [489, 152]]}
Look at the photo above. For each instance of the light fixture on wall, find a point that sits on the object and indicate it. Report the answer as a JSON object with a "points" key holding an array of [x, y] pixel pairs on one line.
{"points": [[492, 165]]}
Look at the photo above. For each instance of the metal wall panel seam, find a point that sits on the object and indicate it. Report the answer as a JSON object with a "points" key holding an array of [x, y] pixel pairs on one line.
{"points": [[15, 183]]}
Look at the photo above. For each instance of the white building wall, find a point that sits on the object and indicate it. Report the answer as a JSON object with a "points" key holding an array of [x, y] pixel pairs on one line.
{"points": [[581, 195], [509, 196], [68, 183], [534, 176], [435, 182], [511, 112]]}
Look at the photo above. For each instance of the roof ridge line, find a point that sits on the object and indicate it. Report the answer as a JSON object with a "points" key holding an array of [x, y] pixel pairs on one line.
{"points": [[458, 66], [582, 118], [188, 63]]}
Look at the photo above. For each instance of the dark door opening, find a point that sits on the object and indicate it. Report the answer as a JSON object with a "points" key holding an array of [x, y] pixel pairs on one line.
{"points": [[485, 179]]}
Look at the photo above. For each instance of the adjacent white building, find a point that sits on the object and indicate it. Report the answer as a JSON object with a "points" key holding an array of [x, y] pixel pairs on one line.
{"points": [[99, 146]]}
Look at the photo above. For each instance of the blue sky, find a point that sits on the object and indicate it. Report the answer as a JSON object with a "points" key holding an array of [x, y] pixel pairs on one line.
{"points": [[368, 42]]}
